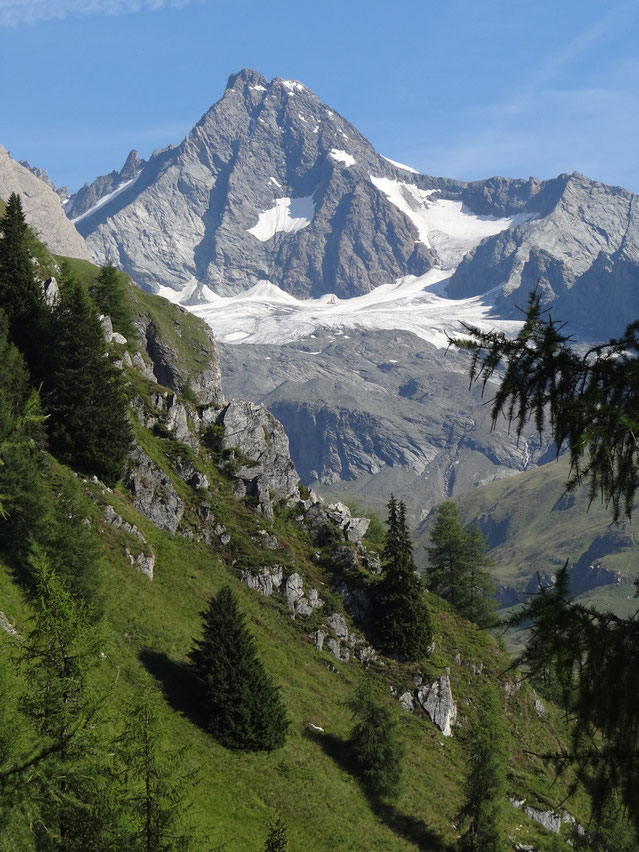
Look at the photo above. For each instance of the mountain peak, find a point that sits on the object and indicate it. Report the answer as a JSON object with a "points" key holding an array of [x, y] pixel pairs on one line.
{"points": [[246, 77]]}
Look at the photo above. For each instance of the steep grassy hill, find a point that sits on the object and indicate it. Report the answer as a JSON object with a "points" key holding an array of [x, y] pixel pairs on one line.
{"points": [[219, 538]]}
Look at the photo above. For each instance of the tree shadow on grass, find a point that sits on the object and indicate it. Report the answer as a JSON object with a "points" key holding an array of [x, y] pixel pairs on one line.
{"points": [[178, 685], [411, 828]]}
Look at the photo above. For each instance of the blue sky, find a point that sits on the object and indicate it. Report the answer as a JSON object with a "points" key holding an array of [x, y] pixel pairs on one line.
{"points": [[462, 89]]}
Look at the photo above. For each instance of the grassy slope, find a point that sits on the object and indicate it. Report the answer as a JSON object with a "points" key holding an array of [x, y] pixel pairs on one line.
{"points": [[533, 534], [306, 782]]}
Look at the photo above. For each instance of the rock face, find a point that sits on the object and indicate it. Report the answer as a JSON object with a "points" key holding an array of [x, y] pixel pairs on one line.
{"points": [[437, 701], [153, 491], [373, 413], [581, 250], [264, 466], [42, 208]]}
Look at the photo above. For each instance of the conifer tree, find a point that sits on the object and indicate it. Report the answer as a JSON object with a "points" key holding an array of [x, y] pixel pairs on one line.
{"points": [[485, 790], [241, 705], [277, 840], [110, 297], [458, 568], [67, 780], [402, 618], [152, 790], [22, 495], [374, 745], [89, 428], [589, 405], [21, 296]]}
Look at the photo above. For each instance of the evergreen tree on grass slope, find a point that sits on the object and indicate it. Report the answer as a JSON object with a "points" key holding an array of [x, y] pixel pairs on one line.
{"points": [[241, 705], [89, 428], [403, 622]]}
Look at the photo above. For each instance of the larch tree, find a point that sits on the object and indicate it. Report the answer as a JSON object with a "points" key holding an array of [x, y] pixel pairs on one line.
{"points": [[485, 788], [589, 404], [458, 567], [374, 745]]}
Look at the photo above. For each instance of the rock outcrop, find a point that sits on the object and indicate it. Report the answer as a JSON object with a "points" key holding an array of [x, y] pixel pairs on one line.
{"points": [[436, 699], [261, 462], [153, 492]]}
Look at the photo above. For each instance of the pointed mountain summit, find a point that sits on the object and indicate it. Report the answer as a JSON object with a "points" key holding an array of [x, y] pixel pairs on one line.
{"points": [[274, 185]]}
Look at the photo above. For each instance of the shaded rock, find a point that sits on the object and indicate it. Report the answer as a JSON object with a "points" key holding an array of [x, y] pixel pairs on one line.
{"points": [[337, 625], [437, 701], [51, 292], [585, 577], [318, 638]]}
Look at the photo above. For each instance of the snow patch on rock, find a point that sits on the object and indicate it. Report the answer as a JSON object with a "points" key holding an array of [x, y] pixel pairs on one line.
{"points": [[287, 215]]}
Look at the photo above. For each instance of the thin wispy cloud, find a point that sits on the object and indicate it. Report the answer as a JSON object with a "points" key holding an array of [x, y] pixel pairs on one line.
{"points": [[16, 12]]}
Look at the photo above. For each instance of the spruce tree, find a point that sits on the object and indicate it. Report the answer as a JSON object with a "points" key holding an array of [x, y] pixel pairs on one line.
{"points": [[89, 427], [402, 618], [277, 840], [374, 745], [241, 705], [110, 296], [21, 296], [485, 789], [458, 568]]}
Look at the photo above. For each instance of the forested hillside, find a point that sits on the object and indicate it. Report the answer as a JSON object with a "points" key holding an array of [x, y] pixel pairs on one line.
{"points": [[155, 545]]}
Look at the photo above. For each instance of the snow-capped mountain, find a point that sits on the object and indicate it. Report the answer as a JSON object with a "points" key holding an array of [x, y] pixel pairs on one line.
{"points": [[274, 185], [280, 224]]}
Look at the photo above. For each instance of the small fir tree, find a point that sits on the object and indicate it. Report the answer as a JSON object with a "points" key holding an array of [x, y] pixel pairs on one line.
{"points": [[241, 705], [21, 296], [110, 296], [402, 618], [458, 568], [374, 745], [485, 789], [89, 427]]}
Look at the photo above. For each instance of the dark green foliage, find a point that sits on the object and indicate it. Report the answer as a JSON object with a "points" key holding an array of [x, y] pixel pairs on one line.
{"points": [[402, 619], [374, 745], [589, 404], [110, 296], [458, 568], [21, 296], [613, 831], [22, 496], [89, 428], [277, 840], [152, 791], [241, 705], [485, 789]]}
